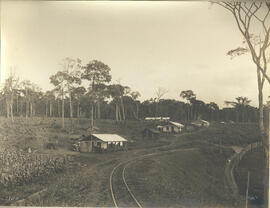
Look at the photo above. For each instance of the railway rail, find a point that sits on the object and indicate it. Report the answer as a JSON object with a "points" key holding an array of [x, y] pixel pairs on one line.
{"points": [[124, 164]]}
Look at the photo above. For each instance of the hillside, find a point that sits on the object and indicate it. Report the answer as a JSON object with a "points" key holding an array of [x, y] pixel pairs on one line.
{"points": [[192, 177]]}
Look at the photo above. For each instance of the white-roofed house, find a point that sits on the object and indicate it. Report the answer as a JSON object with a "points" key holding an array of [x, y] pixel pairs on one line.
{"points": [[171, 127], [157, 118], [108, 142]]}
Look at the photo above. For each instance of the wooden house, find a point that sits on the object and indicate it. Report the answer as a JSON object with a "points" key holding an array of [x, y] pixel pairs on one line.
{"points": [[150, 133], [100, 143], [108, 142], [171, 127]]}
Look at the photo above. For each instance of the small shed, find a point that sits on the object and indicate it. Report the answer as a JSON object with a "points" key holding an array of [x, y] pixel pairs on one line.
{"points": [[150, 133], [171, 127], [108, 142]]}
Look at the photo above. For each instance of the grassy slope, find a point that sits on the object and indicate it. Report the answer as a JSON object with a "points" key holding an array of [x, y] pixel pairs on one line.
{"points": [[189, 178]]}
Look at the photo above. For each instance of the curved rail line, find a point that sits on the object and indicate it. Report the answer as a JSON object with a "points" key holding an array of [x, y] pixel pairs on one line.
{"points": [[111, 186], [124, 169], [130, 192]]}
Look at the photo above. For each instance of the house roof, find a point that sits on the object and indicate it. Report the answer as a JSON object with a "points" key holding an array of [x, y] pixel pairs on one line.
{"points": [[110, 137], [176, 124], [157, 118], [205, 121]]}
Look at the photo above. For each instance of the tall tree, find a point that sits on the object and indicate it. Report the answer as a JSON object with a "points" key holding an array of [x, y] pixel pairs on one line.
{"points": [[160, 92], [97, 73], [58, 80], [240, 106], [72, 68], [65, 80], [77, 93], [26, 88], [49, 101], [188, 95], [213, 108], [252, 19], [135, 95], [10, 87]]}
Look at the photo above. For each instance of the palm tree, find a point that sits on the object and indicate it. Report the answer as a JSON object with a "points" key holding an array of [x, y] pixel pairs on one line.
{"points": [[241, 104], [213, 108]]}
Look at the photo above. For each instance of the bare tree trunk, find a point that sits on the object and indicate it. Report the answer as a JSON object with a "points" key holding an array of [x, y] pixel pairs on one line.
{"points": [[98, 110], [46, 109], [7, 104], [116, 112], [11, 111], [34, 109], [17, 105], [63, 112], [58, 108], [156, 110], [92, 115], [21, 108], [70, 106], [26, 104], [31, 109], [95, 111], [137, 110], [123, 108], [78, 109], [119, 113], [260, 98], [51, 108]]}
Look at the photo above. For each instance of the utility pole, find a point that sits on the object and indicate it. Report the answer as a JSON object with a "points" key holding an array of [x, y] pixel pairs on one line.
{"points": [[247, 190]]}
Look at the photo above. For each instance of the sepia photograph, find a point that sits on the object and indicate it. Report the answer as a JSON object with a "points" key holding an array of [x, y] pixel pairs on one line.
{"points": [[148, 104]]}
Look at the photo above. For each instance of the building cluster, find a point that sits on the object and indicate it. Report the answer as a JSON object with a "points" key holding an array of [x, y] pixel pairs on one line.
{"points": [[112, 142], [164, 125]]}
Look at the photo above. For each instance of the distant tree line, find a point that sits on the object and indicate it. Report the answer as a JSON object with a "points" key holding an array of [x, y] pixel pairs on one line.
{"points": [[104, 100]]}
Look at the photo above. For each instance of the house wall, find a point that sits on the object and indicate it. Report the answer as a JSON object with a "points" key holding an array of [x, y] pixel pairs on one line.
{"points": [[171, 129], [177, 130], [104, 145]]}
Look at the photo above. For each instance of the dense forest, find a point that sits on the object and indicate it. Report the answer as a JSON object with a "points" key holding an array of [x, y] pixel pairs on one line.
{"points": [[103, 100]]}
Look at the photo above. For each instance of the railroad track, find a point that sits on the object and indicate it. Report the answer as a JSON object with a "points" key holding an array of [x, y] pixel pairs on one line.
{"points": [[131, 194], [124, 164]]}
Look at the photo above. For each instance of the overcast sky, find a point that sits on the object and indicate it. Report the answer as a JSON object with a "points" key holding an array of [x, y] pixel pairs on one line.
{"points": [[173, 45]]}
